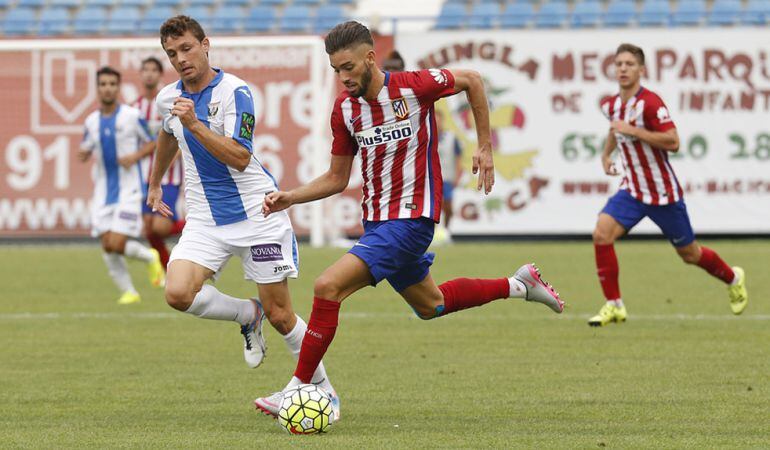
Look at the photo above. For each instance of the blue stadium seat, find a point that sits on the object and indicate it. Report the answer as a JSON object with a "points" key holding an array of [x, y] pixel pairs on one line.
{"points": [[655, 13], [484, 15], [328, 16], [586, 14], [236, 2], [54, 21], [517, 15], [89, 20], [260, 18], [201, 14], [451, 17], [757, 12], [171, 3], [295, 19], [31, 3], [306, 2], [495, 2], [619, 13], [5, 3], [341, 2], [689, 13], [227, 19], [65, 3], [551, 15], [725, 12], [19, 21], [273, 2], [133, 3], [198, 3], [124, 20], [90, 3], [154, 18]]}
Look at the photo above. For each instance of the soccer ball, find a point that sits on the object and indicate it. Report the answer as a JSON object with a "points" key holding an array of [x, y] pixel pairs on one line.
{"points": [[305, 409]]}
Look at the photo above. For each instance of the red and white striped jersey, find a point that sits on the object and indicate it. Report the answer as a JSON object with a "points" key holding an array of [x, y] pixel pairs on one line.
{"points": [[648, 175], [149, 112], [398, 144]]}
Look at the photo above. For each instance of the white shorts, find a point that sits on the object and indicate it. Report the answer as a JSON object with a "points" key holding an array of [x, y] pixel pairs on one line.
{"points": [[124, 217], [267, 247]]}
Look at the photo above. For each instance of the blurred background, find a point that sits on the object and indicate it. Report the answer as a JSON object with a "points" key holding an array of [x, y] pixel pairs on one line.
{"points": [[547, 65]]}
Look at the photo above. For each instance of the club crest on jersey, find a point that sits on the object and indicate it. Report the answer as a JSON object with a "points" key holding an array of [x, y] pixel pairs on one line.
{"points": [[384, 134], [213, 109], [400, 108]]}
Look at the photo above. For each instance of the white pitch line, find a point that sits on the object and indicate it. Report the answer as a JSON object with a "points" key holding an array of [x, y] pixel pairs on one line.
{"points": [[366, 315]]}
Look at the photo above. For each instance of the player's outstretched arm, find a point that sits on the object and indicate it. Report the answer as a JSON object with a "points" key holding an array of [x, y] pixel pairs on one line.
{"points": [[334, 181], [226, 149], [167, 147], [471, 83], [666, 140]]}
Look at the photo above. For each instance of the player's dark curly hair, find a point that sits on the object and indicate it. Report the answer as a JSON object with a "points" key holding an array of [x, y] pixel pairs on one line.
{"points": [[634, 50], [347, 35], [107, 70], [153, 60], [179, 25]]}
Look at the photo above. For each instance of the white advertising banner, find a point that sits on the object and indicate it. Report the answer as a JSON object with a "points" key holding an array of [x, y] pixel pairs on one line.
{"points": [[545, 88]]}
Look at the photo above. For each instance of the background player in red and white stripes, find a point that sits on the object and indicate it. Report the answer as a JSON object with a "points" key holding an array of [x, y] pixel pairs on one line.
{"points": [[642, 131], [389, 120], [157, 227]]}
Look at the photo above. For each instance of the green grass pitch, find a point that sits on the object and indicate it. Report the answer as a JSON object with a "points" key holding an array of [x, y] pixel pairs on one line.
{"points": [[77, 370]]}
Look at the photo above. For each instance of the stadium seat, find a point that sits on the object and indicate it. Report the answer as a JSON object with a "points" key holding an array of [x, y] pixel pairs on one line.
{"points": [[5, 3], [227, 19], [31, 3], [725, 12], [133, 3], [484, 15], [328, 16], [64, 3], [89, 20], [619, 13], [341, 2], [54, 21], [19, 21], [200, 13], [586, 14], [273, 2], [517, 15], [655, 13], [154, 18], [90, 3], [551, 15], [757, 12], [171, 3], [306, 2], [236, 2], [689, 13], [450, 17], [295, 19], [198, 3], [260, 18], [124, 20]]}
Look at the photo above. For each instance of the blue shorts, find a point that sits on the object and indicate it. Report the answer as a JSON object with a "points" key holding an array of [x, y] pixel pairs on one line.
{"points": [[449, 190], [395, 250], [672, 220], [170, 197]]}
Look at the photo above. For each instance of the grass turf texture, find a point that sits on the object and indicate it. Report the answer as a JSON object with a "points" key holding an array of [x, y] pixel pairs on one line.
{"points": [[78, 370]]}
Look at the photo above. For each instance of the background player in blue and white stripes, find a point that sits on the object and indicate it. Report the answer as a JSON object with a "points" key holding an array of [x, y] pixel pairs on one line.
{"points": [[209, 115], [113, 133]]}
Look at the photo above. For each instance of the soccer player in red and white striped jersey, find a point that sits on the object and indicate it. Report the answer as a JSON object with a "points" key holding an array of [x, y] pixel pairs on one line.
{"points": [[643, 133], [388, 120], [157, 227]]}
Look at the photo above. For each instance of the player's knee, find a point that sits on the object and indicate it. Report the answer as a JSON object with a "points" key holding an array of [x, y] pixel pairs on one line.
{"points": [[179, 297], [326, 288], [689, 257], [602, 237], [428, 312]]}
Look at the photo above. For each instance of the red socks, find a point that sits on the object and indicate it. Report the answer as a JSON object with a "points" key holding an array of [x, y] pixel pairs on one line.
{"points": [[159, 244], [608, 271], [320, 332], [463, 293], [177, 227], [713, 264]]}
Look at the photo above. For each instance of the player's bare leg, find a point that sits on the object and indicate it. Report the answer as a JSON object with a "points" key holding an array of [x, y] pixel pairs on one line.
{"points": [[186, 291], [711, 262], [115, 246], [607, 231], [429, 300]]}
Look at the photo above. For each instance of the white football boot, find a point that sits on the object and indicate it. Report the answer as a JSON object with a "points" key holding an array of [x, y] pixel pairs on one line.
{"points": [[537, 289], [254, 346], [271, 404]]}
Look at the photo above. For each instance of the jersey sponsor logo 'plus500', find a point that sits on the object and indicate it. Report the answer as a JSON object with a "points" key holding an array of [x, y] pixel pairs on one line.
{"points": [[384, 134]]}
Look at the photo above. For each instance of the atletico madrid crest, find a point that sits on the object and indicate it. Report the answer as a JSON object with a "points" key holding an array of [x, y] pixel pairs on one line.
{"points": [[400, 108]]}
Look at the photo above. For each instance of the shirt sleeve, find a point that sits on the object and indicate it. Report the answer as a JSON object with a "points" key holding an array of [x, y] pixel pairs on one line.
{"points": [[239, 117], [165, 114], [143, 130], [431, 84], [87, 144], [656, 115], [343, 143]]}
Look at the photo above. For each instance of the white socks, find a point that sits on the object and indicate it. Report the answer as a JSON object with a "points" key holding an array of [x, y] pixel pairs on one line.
{"points": [[138, 251], [209, 303], [518, 290], [116, 266], [293, 341], [617, 302]]}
